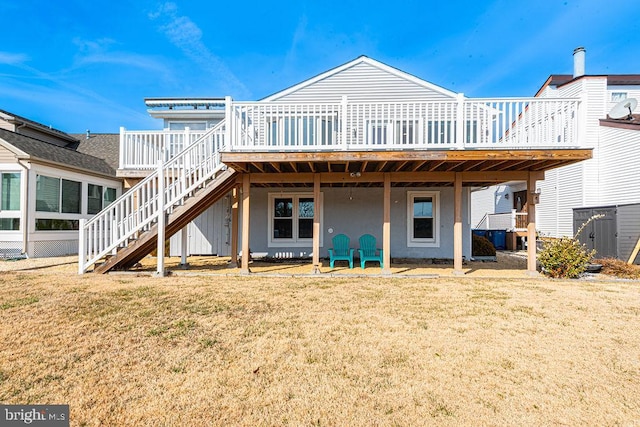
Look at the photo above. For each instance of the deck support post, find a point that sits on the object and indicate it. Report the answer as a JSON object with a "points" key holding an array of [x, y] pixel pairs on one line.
{"points": [[161, 222], [184, 246], [531, 225], [457, 224], [234, 227], [386, 225], [316, 223], [82, 241], [246, 185]]}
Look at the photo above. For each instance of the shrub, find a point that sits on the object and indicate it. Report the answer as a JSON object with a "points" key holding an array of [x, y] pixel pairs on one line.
{"points": [[481, 246], [564, 258]]}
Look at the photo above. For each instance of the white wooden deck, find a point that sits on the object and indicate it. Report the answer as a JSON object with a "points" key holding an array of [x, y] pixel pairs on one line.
{"points": [[461, 124]]}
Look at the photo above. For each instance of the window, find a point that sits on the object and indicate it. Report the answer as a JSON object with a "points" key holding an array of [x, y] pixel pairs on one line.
{"points": [[57, 195], [109, 197], [423, 213], [71, 191], [197, 126], [99, 197], [47, 194], [94, 199], [9, 224], [291, 219], [618, 96], [48, 224], [10, 191]]}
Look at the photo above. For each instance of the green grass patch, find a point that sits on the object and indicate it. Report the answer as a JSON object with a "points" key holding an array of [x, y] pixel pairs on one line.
{"points": [[20, 302]]}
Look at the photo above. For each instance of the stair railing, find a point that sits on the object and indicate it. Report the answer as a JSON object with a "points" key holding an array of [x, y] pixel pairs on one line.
{"points": [[137, 210]]}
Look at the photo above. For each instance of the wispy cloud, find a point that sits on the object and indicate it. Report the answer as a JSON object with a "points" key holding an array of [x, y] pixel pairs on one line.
{"points": [[13, 58], [185, 34]]}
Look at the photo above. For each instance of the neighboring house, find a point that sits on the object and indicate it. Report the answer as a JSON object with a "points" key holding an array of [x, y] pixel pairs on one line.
{"points": [[48, 182], [363, 148], [609, 178]]}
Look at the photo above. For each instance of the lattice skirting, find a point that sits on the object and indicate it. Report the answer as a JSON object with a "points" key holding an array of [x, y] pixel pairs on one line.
{"points": [[10, 249], [49, 248]]}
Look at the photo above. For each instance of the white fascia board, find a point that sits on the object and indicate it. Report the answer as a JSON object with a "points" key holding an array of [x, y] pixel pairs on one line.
{"points": [[186, 114]]}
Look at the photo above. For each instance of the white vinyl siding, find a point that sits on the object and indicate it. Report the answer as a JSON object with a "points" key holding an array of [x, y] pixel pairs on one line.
{"points": [[561, 192], [363, 82], [618, 166]]}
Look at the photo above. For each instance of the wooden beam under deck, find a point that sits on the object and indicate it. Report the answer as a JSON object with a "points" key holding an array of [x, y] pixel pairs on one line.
{"points": [[378, 177], [407, 167], [409, 155]]}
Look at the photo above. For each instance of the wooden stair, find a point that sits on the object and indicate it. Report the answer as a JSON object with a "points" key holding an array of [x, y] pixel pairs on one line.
{"points": [[182, 215]]}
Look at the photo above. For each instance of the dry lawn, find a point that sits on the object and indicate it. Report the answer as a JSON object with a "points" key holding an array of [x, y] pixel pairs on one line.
{"points": [[258, 350]]}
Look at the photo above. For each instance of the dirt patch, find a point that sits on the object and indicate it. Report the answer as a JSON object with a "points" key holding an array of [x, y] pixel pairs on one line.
{"points": [[508, 265]]}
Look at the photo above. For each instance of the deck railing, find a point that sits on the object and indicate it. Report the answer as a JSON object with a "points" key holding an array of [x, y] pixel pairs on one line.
{"points": [[506, 123], [510, 221], [137, 210]]}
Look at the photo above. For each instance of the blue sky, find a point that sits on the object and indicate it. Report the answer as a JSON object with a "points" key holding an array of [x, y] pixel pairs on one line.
{"points": [[78, 64]]}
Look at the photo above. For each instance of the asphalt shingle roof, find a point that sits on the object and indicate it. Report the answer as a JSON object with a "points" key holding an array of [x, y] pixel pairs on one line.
{"points": [[53, 153], [101, 145]]}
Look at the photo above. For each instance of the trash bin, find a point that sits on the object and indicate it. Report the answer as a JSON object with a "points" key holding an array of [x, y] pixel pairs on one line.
{"points": [[498, 238], [480, 233]]}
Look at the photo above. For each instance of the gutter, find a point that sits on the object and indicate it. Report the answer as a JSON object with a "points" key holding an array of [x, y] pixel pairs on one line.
{"points": [[69, 167], [25, 213]]}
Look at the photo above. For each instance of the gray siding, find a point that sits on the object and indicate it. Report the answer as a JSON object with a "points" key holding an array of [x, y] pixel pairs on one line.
{"points": [[628, 230], [361, 214], [208, 234]]}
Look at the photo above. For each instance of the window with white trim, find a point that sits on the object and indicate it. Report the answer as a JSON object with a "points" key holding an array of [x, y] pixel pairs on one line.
{"points": [[291, 219], [57, 195], [423, 213], [9, 201], [10, 191], [618, 96], [99, 197]]}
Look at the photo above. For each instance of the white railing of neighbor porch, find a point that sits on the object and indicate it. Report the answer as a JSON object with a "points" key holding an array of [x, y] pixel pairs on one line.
{"points": [[506, 123], [143, 149], [139, 208], [510, 221]]}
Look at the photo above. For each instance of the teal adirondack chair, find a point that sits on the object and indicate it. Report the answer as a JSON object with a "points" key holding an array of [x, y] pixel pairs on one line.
{"points": [[341, 250], [368, 250]]}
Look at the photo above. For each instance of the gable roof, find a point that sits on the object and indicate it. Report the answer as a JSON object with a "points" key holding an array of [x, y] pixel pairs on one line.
{"points": [[362, 60], [34, 149]]}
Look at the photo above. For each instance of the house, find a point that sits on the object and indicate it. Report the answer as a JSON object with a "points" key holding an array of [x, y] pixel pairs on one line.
{"points": [[363, 148], [49, 180], [607, 179]]}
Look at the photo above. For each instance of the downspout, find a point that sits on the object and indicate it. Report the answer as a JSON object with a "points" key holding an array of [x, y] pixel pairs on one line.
{"points": [[25, 209]]}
